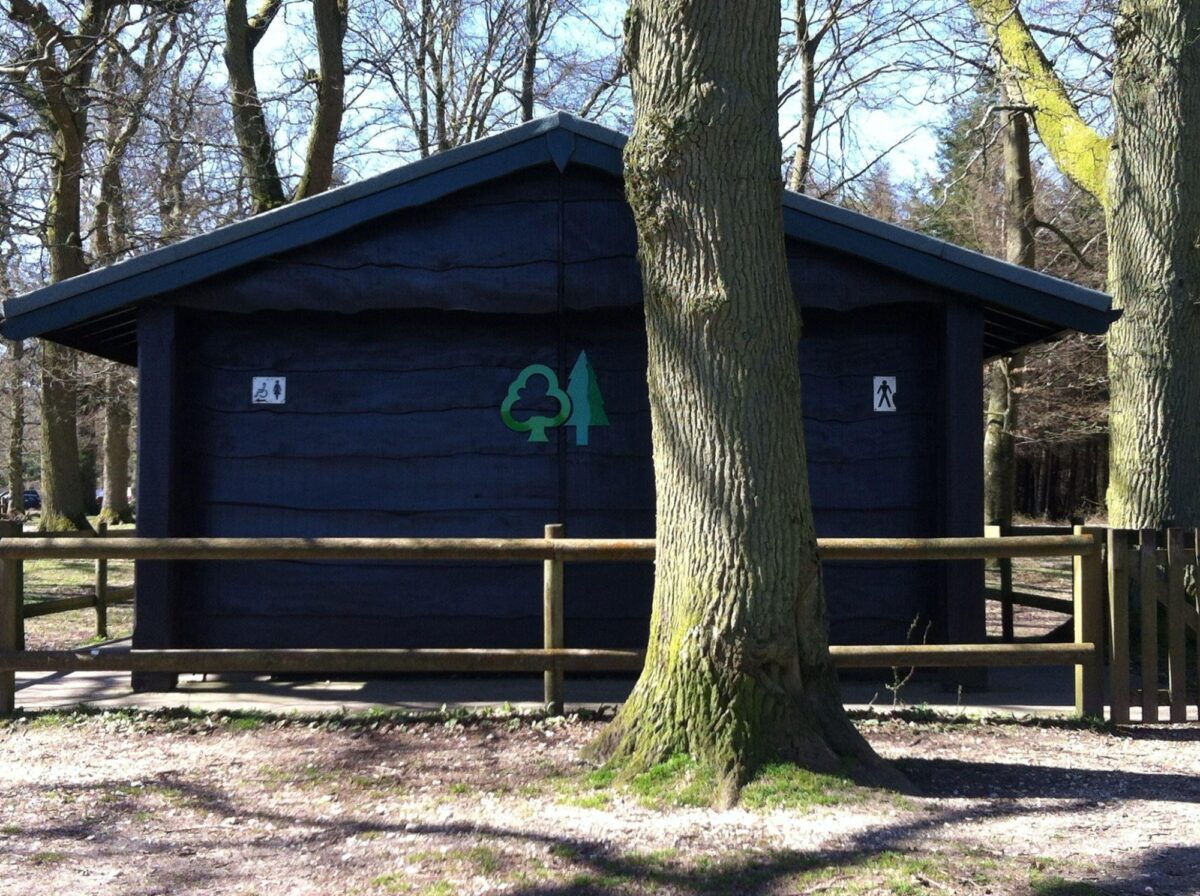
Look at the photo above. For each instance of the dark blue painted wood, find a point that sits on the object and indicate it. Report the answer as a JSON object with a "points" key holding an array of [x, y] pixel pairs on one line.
{"points": [[392, 426], [154, 624], [962, 489]]}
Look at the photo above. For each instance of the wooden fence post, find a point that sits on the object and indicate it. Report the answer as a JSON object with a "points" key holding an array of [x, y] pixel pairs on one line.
{"points": [[1089, 627], [1005, 567], [102, 589], [1118, 623], [12, 618], [1176, 626], [552, 623], [1152, 586]]}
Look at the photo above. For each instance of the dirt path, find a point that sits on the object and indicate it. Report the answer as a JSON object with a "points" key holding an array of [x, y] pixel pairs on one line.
{"points": [[132, 804]]}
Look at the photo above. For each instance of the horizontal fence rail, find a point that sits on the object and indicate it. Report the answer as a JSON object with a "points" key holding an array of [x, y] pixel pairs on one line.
{"points": [[224, 660], [554, 658], [593, 550]]}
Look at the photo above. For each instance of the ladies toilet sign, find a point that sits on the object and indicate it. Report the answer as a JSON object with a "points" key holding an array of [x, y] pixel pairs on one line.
{"points": [[883, 394]]}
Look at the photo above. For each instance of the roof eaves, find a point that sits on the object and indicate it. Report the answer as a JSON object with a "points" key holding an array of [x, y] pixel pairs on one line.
{"points": [[1058, 302], [325, 215]]}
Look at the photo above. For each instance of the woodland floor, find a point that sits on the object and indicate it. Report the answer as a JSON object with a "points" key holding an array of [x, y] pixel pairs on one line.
{"points": [[124, 803], [176, 803]]}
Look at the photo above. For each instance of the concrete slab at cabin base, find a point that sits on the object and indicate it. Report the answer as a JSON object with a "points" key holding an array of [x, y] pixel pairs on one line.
{"points": [[1023, 691]]}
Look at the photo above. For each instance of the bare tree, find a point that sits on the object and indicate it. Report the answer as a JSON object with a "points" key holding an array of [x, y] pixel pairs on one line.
{"points": [[243, 33], [839, 59], [54, 78]]}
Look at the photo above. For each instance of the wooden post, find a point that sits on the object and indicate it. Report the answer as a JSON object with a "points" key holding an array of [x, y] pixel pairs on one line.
{"points": [[155, 619], [1176, 626], [1118, 623], [1151, 585], [102, 589], [1195, 559], [1089, 627], [12, 618], [552, 623], [1004, 566]]}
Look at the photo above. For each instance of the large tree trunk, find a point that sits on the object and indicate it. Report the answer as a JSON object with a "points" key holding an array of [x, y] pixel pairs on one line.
{"points": [[116, 452], [1154, 267], [242, 36], [738, 670], [329, 21], [1004, 376], [63, 509], [62, 492]]}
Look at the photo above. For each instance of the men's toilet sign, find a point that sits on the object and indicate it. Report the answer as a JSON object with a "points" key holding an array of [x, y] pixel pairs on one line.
{"points": [[883, 394]]}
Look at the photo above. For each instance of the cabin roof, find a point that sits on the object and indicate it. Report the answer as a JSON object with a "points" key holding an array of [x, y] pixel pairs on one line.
{"points": [[97, 311]]}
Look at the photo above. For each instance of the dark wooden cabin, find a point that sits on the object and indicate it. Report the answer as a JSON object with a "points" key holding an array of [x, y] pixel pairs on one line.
{"points": [[401, 313]]}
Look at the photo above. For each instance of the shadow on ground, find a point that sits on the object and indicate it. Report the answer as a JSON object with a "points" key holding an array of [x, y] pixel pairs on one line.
{"points": [[984, 780]]}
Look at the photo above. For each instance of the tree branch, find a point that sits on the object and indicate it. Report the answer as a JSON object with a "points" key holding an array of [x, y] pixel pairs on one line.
{"points": [[1078, 150], [1067, 241]]}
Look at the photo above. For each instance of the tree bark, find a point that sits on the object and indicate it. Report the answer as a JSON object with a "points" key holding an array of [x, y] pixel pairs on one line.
{"points": [[535, 17], [1004, 376], [1154, 267], [117, 418], [242, 36], [807, 47], [329, 19], [738, 670]]}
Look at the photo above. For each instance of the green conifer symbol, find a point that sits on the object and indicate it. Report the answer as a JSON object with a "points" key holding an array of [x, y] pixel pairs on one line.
{"points": [[586, 401], [536, 425]]}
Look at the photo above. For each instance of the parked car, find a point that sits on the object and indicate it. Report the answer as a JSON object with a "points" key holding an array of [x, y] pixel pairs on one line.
{"points": [[33, 499]]}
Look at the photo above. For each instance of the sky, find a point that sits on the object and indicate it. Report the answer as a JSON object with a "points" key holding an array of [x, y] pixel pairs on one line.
{"points": [[876, 130]]}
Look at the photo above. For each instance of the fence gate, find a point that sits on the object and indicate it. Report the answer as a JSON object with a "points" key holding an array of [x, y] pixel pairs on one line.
{"points": [[1153, 622]]}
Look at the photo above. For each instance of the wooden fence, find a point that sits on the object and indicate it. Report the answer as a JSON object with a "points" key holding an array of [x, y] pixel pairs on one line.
{"points": [[1153, 621], [100, 598], [1009, 597], [554, 658]]}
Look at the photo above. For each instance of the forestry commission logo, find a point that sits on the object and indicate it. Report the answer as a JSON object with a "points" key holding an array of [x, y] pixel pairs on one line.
{"points": [[536, 402]]}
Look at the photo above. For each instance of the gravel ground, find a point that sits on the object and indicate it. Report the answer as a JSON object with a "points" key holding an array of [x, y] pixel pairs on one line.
{"points": [[159, 804]]}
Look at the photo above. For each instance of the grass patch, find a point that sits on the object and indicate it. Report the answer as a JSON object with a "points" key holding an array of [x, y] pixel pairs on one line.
{"points": [[888, 872], [47, 858], [592, 882], [785, 786], [393, 882], [485, 859], [679, 782], [1053, 885], [10, 830], [592, 791]]}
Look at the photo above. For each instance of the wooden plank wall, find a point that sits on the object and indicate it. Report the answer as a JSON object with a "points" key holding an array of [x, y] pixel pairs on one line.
{"points": [[392, 425]]}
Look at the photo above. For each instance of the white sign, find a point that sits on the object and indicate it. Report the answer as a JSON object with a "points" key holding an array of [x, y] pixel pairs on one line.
{"points": [[268, 390], [883, 394]]}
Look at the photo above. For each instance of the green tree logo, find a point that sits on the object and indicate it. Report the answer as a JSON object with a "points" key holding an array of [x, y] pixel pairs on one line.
{"points": [[536, 425], [587, 404], [580, 407]]}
